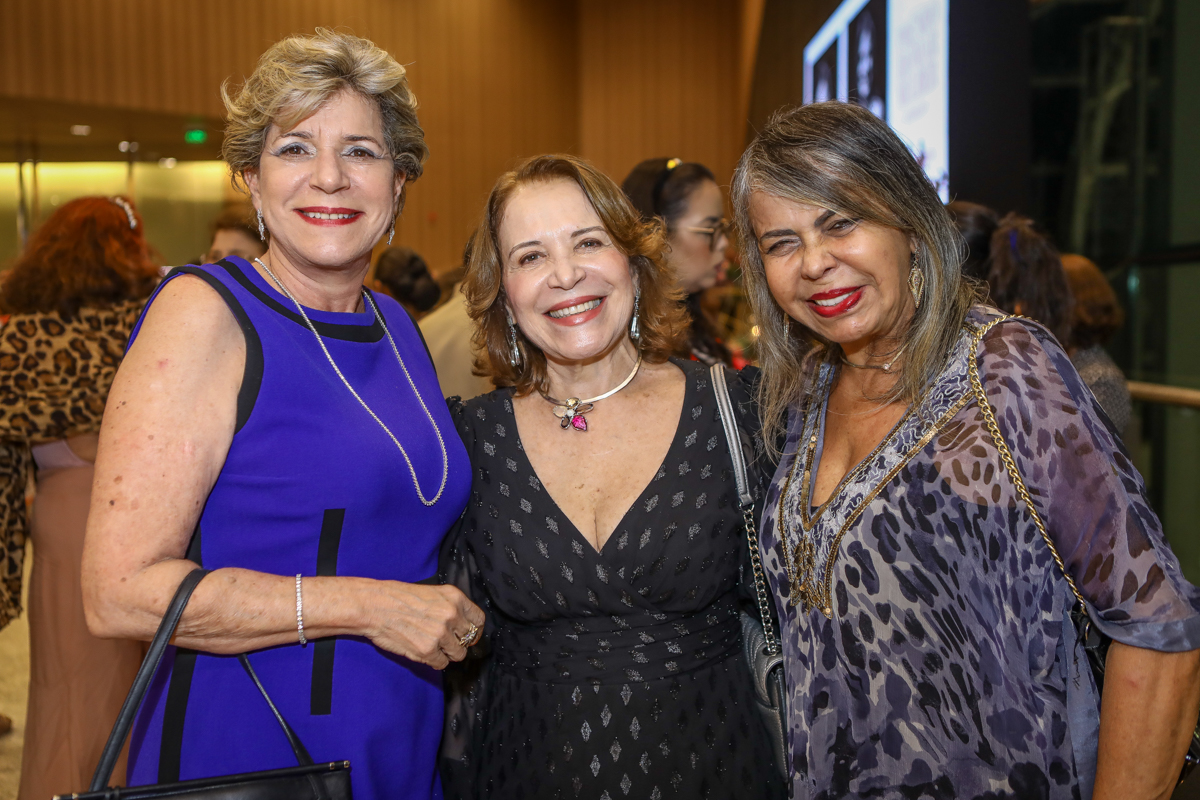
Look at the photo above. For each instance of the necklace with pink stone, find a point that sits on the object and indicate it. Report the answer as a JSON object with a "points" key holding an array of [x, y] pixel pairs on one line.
{"points": [[570, 412]]}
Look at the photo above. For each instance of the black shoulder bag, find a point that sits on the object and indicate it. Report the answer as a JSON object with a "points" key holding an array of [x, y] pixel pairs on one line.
{"points": [[759, 641], [308, 781]]}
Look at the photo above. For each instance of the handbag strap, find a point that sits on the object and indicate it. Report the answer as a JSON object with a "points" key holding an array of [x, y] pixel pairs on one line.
{"points": [[1010, 464], [745, 502], [141, 683]]}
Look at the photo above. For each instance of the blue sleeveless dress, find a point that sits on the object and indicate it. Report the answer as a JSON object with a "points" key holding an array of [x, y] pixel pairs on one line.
{"points": [[313, 485]]}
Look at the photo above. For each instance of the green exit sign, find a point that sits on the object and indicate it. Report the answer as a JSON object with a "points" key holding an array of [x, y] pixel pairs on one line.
{"points": [[196, 136]]}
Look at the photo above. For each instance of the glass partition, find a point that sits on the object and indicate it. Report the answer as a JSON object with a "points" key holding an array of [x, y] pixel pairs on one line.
{"points": [[177, 201], [1160, 343]]}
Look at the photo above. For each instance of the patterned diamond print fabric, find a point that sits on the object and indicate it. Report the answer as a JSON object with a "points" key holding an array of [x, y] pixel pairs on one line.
{"points": [[607, 674]]}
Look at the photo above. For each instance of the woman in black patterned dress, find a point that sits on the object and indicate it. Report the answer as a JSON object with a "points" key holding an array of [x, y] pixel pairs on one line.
{"points": [[603, 537]]}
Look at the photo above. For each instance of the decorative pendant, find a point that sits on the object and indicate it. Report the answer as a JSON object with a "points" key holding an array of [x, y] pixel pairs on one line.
{"points": [[570, 411], [570, 414]]}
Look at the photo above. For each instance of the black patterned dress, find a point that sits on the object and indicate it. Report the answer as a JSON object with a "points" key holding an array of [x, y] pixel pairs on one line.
{"points": [[612, 673]]}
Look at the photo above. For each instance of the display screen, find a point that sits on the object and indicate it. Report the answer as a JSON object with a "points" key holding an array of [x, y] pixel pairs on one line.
{"points": [[892, 57]]}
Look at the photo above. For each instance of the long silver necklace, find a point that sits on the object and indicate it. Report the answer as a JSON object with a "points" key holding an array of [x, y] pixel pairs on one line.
{"points": [[570, 411], [363, 403]]}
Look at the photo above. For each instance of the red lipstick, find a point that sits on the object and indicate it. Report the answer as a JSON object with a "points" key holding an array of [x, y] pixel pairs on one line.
{"points": [[849, 299], [341, 216], [582, 316]]}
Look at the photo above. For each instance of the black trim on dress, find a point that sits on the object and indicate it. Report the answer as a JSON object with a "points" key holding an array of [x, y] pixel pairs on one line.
{"points": [[348, 333], [252, 374], [321, 697], [170, 750]]}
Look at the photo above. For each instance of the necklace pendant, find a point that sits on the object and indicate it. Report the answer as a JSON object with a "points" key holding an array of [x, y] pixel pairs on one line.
{"points": [[577, 422]]}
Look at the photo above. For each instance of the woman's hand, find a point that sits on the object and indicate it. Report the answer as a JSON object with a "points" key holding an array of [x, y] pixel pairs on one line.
{"points": [[1147, 717], [420, 622]]}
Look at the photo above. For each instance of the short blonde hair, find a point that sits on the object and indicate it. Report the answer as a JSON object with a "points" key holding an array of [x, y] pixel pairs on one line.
{"points": [[662, 320], [297, 75], [841, 157]]}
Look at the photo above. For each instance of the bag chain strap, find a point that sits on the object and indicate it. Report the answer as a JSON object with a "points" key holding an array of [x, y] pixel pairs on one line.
{"points": [[760, 583], [745, 502], [1010, 465]]}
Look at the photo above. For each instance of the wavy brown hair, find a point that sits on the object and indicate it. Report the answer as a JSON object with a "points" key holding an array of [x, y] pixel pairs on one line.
{"points": [[841, 157], [1098, 313], [87, 254], [661, 319]]}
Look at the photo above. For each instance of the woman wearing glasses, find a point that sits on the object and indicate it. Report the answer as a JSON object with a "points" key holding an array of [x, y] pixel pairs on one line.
{"points": [[686, 197]]}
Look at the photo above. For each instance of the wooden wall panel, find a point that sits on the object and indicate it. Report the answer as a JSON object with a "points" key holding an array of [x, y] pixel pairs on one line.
{"points": [[778, 82], [496, 79], [660, 79]]}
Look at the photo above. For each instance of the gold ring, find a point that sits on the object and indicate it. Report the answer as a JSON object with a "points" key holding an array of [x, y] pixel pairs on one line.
{"points": [[467, 638]]}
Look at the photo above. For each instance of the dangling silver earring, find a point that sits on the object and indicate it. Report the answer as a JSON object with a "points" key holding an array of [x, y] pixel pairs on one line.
{"points": [[391, 233], [514, 352], [262, 232], [916, 281], [635, 331]]}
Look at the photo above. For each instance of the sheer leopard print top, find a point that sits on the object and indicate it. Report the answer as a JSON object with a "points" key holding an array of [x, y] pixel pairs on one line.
{"points": [[55, 374], [937, 657]]}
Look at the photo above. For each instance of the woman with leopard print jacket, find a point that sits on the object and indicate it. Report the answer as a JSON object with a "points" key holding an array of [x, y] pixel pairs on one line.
{"points": [[73, 296], [951, 508]]}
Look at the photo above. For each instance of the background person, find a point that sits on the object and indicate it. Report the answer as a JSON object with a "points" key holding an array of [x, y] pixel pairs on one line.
{"points": [[686, 197], [74, 295], [606, 540], [977, 223], [448, 332], [234, 235], [1097, 316], [928, 641], [281, 425], [1025, 275], [403, 275]]}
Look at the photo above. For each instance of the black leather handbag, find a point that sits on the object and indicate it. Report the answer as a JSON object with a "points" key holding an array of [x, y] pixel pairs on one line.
{"points": [[328, 781], [760, 644]]}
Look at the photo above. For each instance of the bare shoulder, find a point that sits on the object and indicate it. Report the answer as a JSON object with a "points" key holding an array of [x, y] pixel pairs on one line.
{"points": [[188, 357], [189, 314]]}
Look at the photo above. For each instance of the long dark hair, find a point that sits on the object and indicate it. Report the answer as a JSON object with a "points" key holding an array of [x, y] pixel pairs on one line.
{"points": [[407, 278], [660, 187], [976, 223], [90, 253], [1025, 274]]}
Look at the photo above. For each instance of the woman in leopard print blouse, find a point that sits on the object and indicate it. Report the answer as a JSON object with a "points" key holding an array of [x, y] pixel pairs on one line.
{"points": [[951, 506], [73, 297]]}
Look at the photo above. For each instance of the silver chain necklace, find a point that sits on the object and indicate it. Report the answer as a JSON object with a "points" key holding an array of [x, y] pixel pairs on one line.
{"points": [[363, 403]]}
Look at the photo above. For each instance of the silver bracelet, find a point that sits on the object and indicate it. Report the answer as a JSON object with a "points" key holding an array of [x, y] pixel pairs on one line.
{"points": [[300, 613]]}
